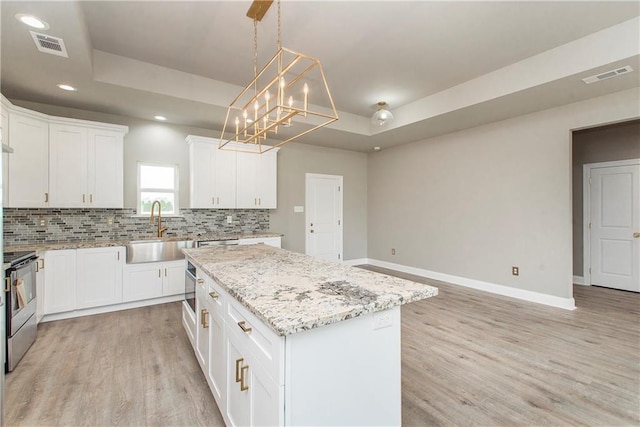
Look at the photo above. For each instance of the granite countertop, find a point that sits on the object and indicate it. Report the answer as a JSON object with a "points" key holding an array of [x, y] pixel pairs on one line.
{"points": [[102, 243], [292, 292]]}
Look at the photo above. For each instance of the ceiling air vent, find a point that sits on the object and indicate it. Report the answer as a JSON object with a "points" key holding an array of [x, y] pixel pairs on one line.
{"points": [[49, 44], [608, 74]]}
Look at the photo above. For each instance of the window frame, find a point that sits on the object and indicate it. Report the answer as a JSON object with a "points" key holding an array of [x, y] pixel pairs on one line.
{"points": [[175, 191]]}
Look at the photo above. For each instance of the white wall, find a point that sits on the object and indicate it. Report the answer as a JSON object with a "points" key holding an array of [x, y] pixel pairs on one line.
{"points": [[474, 203]]}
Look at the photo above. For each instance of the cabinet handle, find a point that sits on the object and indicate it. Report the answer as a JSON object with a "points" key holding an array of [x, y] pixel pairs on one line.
{"points": [[259, 201], [238, 363], [243, 386], [42, 259], [203, 318], [159, 272], [46, 197], [83, 198], [200, 282], [7, 284], [118, 255], [165, 272], [244, 328], [255, 201], [213, 200], [90, 198], [213, 295]]}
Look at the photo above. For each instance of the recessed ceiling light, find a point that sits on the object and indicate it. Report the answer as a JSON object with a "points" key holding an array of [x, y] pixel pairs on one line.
{"points": [[161, 118], [32, 21], [66, 87]]}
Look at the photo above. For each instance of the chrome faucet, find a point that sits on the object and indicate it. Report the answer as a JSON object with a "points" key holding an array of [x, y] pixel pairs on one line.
{"points": [[161, 229]]}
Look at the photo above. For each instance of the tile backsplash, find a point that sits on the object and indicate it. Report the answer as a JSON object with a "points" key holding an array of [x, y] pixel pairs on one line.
{"points": [[23, 226]]}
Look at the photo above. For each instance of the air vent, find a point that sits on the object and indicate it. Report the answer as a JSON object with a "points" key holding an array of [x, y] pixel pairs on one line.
{"points": [[49, 44], [608, 74]]}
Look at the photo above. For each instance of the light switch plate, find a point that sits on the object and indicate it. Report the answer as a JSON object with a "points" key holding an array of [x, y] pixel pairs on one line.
{"points": [[298, 209]]}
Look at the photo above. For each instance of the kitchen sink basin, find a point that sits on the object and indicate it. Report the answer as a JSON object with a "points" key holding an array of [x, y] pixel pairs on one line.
{"points": [[139, 251]]}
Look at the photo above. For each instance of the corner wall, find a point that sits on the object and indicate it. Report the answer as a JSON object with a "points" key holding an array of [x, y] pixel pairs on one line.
{"points": [[474, 203]]}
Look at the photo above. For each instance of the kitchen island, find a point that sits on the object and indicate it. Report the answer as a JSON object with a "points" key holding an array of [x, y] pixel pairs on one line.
{"points": [[286, 339]]}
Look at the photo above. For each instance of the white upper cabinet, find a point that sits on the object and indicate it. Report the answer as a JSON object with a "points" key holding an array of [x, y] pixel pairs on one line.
{"points": [[28, 165], [63, 163], [212, 173], [85, 167], [257, 180], [105, 179], [68, 166]]}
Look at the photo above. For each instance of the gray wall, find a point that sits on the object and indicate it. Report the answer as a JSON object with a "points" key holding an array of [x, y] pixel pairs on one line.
{"points": [[294, 161], [602, 144], [476, 202]]}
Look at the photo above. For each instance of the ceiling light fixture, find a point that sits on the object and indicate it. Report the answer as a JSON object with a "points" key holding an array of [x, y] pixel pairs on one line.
{"points": [[32, 21], [66, 87], [161, 118], [277, 94], [383, 115]]}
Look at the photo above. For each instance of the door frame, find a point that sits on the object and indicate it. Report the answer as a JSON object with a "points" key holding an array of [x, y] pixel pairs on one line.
{"points": [[340, 180], [586, 210]]}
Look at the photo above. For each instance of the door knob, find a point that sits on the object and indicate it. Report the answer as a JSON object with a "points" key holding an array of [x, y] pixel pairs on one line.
{"points": [[636, 235], [311, 224]]}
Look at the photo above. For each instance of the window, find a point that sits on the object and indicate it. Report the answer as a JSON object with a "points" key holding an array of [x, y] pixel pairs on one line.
{"points": [[157, 182]]}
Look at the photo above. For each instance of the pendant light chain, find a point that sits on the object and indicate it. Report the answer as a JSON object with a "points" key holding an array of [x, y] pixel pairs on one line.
{"points": [[279, 28], [255, 53]]}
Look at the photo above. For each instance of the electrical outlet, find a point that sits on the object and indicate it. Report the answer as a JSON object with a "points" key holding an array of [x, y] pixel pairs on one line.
{"points": [[382, 319], [393, 251], [109, 220], [42, 222], [229, 219], [515, 271]]}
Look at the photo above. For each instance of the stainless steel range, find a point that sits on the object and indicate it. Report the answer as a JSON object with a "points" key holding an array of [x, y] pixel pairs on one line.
{"points": [[20, 296]]}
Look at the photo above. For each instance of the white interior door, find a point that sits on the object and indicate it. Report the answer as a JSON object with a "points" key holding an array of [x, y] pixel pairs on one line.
{"points": [[324, 216], [614, 208]]}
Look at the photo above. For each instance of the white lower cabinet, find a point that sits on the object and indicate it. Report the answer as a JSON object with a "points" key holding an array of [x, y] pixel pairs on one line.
{"points": [[60, 280], [40, 288], [152, 280], [99, 276]]}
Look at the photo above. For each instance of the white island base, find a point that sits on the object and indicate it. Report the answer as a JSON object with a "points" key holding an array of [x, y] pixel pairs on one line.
{"points": [[345, 373]]}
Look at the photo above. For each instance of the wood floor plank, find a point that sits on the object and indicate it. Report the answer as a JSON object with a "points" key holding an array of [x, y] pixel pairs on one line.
{"points": [[468, 358]]}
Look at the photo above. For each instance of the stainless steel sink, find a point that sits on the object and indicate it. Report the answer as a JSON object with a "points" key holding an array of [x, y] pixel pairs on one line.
{"points": [[139, 251]]}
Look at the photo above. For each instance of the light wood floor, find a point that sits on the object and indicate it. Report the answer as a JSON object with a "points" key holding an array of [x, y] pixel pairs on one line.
{"points": [[468, 358]]}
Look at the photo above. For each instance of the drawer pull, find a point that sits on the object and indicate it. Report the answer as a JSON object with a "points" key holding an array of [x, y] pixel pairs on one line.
{"points": [[243, 386], [200, 281], [244, 327], [214, 295], [238, 363]]}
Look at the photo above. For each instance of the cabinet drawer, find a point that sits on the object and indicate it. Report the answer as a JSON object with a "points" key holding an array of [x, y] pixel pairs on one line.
{"points": [[264, 344], [217, 296]]}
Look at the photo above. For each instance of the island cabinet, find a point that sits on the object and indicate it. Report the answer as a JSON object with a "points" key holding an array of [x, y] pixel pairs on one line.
{"points": [[345, 373]]}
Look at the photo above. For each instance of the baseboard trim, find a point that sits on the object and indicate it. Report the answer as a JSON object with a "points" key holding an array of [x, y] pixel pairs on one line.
{"points": [[579, 280], [359, 261], [110, 308], [550, 300]]}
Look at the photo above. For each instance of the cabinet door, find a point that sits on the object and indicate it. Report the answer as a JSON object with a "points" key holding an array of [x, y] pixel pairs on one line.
{"points": [[99, 276], [225, 178], [201, 173], [238, 400], [203, 321], [60, 281], [105, 169], [268, 180], [68, 166], [5, 156], [141, 281], [29, 162], [217, 363], [248, 165], [173, 278]]}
